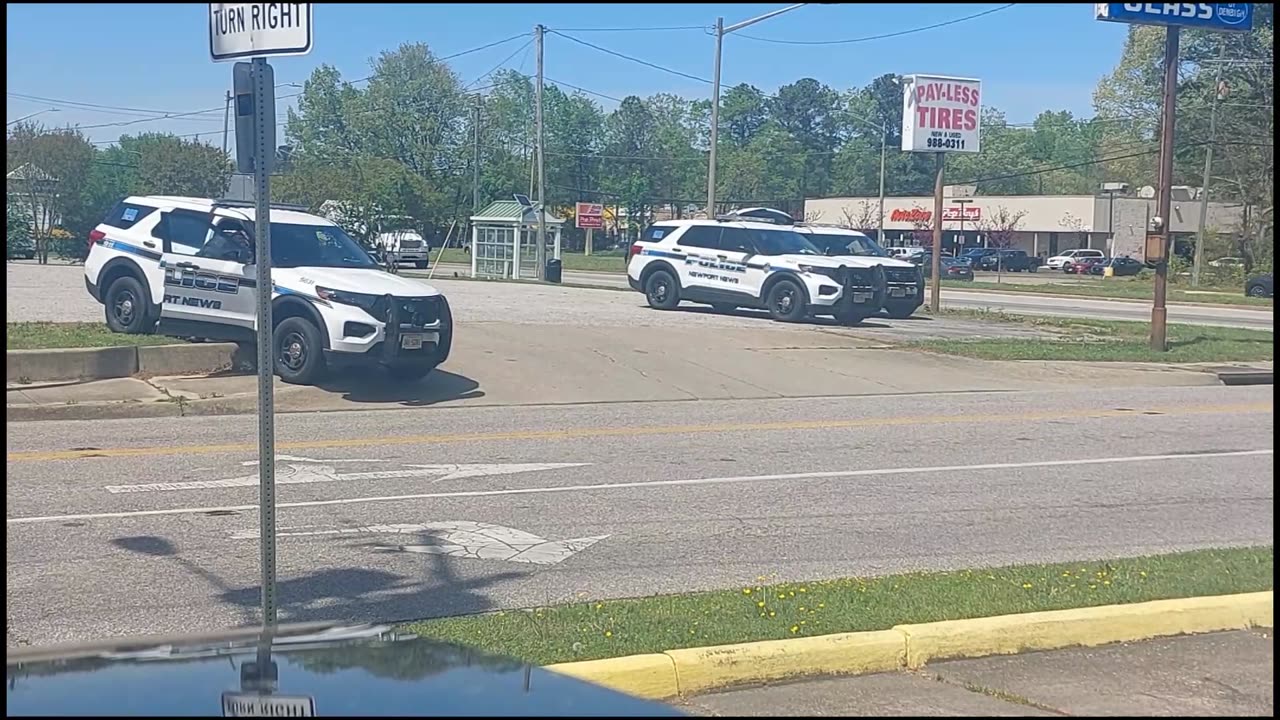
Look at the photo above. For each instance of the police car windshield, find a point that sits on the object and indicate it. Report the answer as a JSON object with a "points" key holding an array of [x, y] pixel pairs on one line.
{"points": [[864, 246], [316, 246], [784, 242]]}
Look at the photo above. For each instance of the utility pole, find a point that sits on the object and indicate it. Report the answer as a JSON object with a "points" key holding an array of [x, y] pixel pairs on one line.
{"points": [[1208, 167], [541, 254], [884, 139], [475, 165], [715, 123], [935, 262], [226, 123], [1164, 200]]}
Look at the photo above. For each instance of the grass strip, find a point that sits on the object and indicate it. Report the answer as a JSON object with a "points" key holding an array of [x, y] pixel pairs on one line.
{"points": [[48, 335], [1086, 339], [1119, 289], [771, 611]]}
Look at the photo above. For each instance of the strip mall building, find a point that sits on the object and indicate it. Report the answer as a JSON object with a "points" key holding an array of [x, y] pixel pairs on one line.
{"points": [[1047, 224]]}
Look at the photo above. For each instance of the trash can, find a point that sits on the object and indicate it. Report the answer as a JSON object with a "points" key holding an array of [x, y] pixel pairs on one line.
{"points": [[553, 271]]}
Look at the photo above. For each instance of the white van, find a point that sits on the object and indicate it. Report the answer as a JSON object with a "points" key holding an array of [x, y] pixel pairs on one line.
{"points": [[405, 247]]}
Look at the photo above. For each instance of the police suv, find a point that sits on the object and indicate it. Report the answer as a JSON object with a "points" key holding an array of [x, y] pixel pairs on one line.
{"points": [[185, 267], [760, 258]]}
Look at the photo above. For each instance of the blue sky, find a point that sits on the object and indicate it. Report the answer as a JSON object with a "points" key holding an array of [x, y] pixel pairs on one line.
{"points": [[1030, 57]]}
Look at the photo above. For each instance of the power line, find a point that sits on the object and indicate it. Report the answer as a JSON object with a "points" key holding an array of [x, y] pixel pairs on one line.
{"points": [[646, 63], [581, 89], [495, 68], [869, 38], [632, 29]]}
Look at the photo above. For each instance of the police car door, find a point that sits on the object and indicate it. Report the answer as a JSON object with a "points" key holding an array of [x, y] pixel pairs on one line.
{"points": [[701, 244], [742, 273], [197, 287]]}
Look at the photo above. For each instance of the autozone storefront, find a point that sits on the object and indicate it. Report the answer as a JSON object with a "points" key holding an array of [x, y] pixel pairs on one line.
{"points": [[1042, 225]]}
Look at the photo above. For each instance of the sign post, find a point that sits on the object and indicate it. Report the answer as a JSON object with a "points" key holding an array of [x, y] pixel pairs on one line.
{"points": [[1231, 17], [589, 216], [939, 115], [259, 30]]}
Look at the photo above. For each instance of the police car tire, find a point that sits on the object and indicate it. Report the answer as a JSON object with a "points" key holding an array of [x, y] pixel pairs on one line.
{"points": [[141, 319], [795, 310], [662, 300], [420, 264], [900, 312], [311, 365]]}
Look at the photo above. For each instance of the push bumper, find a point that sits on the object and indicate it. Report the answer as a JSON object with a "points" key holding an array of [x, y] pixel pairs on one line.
{"points": [[404, 343]]}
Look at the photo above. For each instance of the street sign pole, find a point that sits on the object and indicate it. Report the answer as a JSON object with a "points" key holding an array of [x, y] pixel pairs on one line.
{"points": [[258, 31], [1222, 17], [935, 262], [264, 150]]}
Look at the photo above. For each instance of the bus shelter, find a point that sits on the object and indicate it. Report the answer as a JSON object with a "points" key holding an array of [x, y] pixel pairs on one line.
{"points": [[504, 241]]}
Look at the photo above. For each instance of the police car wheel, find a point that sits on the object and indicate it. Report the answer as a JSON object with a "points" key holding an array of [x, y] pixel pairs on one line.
{"points": [[786, 301], [661, 290], [421, 264], [900, 312], [128, 308], [299, 354]]}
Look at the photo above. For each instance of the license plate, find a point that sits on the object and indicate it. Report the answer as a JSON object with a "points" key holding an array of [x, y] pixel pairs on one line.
{"points": [[897, 292], [247, 705], [411, 342], [861, 297]]}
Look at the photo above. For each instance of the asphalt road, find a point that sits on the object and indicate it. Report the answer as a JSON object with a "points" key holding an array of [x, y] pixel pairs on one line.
{"points": [[132, 526], [56, 293]]}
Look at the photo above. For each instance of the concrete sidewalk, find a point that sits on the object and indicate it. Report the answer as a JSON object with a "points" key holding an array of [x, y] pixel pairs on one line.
{"points": [[1218, 674], [497, 363]]}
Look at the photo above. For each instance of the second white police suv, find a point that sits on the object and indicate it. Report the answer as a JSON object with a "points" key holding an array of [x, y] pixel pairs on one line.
{"points": [[185, 267], [761, 258]]}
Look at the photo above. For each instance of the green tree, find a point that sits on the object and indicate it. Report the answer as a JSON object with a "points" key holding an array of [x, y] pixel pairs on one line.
{"points": [[17, 227], [47, 172]]}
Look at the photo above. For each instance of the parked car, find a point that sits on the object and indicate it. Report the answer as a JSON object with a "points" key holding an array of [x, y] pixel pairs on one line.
{"points": [[1084, 266], [1009, 261], [1063, 261], [1227, 262], [1120, 267], [976, 256], [20, 250], [1260, 286], [952, 269]]}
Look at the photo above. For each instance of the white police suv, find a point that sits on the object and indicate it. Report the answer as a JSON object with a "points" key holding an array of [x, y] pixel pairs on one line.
{"points": [[185, 267], [760, 258]]}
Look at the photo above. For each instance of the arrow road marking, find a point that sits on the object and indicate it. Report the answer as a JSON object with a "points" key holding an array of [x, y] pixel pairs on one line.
{"points": [[459, 538], [295, 458], [293, 474]]}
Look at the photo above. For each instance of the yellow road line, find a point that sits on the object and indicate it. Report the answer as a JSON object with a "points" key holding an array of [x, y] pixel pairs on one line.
{"points": [[585, 433]]}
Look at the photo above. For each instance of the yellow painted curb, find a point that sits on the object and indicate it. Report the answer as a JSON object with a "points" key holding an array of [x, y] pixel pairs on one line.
{"points": [[1008, 634], [693, 670], [648, 676], [707, 668]]}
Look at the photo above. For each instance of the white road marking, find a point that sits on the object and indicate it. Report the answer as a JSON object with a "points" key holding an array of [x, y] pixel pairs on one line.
{"points": [[295, 458], [459, 538], [293, 474], [653, 483]]}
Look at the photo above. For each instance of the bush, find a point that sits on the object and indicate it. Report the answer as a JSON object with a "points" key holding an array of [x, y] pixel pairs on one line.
{"points": [[17, 229], [65, 246]]}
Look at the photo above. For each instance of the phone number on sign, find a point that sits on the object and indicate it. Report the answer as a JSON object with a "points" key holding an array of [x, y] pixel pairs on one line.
{"points": [[947, 143]]}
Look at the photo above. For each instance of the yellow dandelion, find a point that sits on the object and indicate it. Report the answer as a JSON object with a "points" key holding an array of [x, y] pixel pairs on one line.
{"points": [[822, 605], [608, 633], [1026, 586], [803, 590], [801, 608], [1106, 582], [1066, 573], [1093, 587], [746, 591], [1143, 574], [795, 628], [759, 603], [599, 605], [772, 613]]}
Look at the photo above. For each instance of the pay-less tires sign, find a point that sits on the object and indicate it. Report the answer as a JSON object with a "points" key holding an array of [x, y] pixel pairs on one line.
{"points": [[941, 114]]}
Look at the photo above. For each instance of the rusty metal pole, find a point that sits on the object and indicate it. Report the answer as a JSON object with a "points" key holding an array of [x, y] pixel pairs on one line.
{"points": [[1164, 200], [935, 263]]}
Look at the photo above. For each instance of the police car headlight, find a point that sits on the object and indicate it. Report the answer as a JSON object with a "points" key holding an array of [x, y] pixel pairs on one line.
{"points": [[364, 301], [833, 273]]}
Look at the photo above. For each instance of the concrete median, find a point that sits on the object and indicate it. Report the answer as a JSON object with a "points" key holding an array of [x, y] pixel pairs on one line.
{"points": [[32, 366], [698, 670]]}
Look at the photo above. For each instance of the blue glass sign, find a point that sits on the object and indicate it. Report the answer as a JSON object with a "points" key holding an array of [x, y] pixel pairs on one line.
{"points": [[1205, 16]]}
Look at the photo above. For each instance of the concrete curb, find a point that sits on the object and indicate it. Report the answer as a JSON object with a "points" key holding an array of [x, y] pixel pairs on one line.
{"points": [[28, 366], [1247, 377], [697, 670]]}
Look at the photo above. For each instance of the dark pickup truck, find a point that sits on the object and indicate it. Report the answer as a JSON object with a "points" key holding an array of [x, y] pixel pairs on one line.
{"points": [[1009, 261]]}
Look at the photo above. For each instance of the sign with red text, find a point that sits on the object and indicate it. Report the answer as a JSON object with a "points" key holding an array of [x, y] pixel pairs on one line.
{"points": [[589, 216], [941, 114], [949, 214]]}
